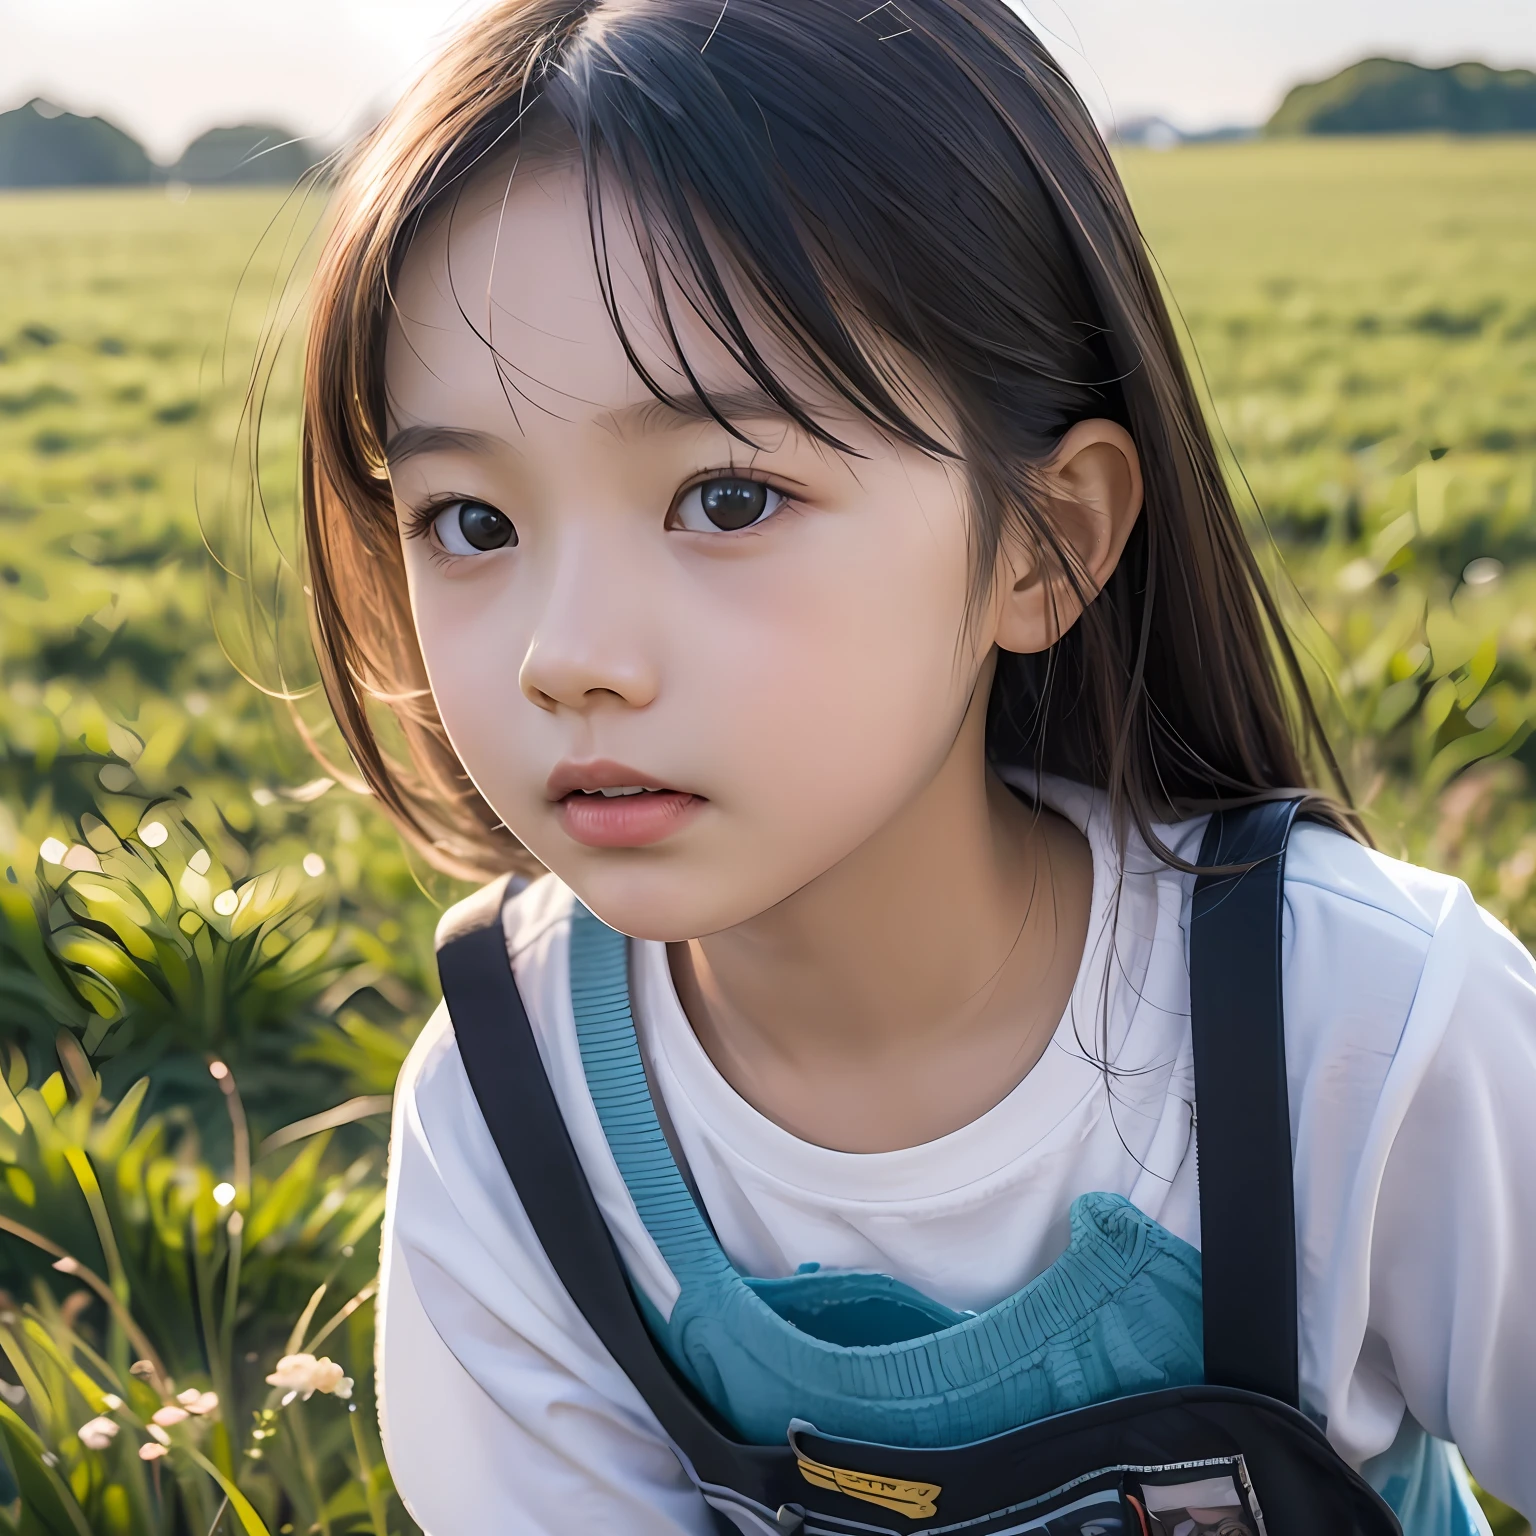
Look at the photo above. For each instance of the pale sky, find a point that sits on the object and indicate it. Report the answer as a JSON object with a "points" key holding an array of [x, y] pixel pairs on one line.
{"points": [[166, 69]]}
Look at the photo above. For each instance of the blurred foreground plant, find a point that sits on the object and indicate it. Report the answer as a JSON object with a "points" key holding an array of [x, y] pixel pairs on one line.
{"points": [[138, 942], [164, 1388]]}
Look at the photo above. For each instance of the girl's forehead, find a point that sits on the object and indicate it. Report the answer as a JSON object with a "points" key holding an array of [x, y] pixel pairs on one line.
{"points": [[498, 297], [502, 324]]}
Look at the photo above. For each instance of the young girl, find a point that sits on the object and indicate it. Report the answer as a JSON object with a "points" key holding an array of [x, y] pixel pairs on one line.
{"points": [[749, 466]]}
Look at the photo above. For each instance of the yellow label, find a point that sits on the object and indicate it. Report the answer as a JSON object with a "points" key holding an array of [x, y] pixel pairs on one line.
{"points": [[914, 1500]]}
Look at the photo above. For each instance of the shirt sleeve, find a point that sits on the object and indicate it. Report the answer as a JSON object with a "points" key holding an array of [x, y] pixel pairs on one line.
{"points": [[1451, 1273], [498, 1404], [1411, 1043]]}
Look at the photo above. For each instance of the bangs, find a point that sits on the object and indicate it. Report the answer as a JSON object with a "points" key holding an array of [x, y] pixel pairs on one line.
{"points": [[767, 197], [683, 151]]}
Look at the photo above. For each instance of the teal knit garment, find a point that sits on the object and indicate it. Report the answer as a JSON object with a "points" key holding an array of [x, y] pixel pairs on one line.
{"points": [[861, 1355], [865, 1357]]}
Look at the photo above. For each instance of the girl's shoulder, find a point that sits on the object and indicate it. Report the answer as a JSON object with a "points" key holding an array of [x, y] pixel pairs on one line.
{"points": [[1360, 885], [535, 922], [1325, 871], [1329, 877], [1384, 961], [1386, 965], [1354, 912], [529, 912], [1410, 1011]]}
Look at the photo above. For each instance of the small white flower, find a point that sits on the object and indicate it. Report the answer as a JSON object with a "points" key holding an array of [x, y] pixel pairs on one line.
{"points": [[305, 1375], [169, 1415], [111, 1401], [150, 1451], [157, 1433], [198, 1402], [224, 1193], [97, 1434]]}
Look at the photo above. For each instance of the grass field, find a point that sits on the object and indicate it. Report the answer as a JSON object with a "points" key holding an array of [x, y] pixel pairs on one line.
{"points": [[1364, 314], [169, 785], [1364, 317]]}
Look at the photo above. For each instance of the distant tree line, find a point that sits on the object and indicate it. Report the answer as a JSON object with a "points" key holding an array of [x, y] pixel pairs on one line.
{"points": [[1392, 96], [42, 145], [1376, 96]]}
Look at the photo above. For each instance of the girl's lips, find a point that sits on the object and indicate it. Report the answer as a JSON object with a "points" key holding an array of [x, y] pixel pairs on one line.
{"points": [[626, 821]]}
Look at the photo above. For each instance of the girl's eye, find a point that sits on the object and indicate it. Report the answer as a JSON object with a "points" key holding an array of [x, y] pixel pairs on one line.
{"points": [[472, 528], [725, 504]]}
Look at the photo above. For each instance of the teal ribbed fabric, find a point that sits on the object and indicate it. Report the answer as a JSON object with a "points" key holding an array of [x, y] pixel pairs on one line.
{"points": [[865, 1357]]}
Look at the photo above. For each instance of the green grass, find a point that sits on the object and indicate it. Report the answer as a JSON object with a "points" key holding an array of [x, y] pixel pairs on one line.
{"points": [[127, 328], [1364, 313], [120, 710]]}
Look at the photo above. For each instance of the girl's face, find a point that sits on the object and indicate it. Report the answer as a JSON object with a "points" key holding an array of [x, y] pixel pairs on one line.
{"points": [[770, 643]]}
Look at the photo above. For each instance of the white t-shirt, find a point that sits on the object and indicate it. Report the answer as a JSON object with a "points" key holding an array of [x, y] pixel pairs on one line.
{"points": [[1411, 1054]]}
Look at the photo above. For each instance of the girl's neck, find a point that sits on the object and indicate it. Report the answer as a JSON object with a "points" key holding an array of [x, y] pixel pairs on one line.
{"points": [[912, 986]]}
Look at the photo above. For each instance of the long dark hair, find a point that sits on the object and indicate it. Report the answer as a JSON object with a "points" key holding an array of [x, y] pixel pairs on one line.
{"points": [[915, 181]]}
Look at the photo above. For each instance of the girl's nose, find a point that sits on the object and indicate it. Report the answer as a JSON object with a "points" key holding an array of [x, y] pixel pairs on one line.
{"points": [[588, 650], [556, 676]]}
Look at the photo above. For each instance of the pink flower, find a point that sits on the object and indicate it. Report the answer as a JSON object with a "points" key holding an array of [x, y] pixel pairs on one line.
{"points": [[303, 1375], [97, 1434]]}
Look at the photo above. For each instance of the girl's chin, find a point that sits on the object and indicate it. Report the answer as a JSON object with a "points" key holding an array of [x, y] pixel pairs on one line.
{"points": [[653, 897]]}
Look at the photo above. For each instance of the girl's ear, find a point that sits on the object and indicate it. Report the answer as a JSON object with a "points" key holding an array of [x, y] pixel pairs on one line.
{"points": [[1092, 496]]}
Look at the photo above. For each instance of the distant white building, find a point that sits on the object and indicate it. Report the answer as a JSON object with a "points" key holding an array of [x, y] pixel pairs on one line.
{"points": [[1146, 133]]}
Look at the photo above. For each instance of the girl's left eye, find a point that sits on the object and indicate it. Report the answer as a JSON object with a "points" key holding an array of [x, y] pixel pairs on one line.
{"points": [[472, 528], [725, 504]]}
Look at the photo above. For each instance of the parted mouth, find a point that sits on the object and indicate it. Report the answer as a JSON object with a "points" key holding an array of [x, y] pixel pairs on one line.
{"points": [[603, 804], [606, 779]]}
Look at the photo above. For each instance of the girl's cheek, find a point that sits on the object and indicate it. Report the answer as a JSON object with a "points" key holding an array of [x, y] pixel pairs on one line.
{"points": [[869, 709], [465, 632]]}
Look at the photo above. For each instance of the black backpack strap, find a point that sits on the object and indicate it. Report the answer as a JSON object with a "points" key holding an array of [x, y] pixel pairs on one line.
{"points": [[501, 1059], [1247, 1194]]}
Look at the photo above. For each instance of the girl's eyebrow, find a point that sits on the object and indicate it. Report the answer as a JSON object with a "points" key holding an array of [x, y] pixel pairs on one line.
{"points": [[639, 419], [747, 404], [408, 442]]}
